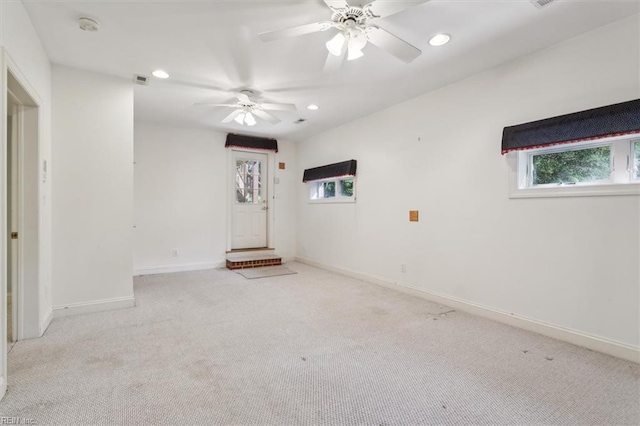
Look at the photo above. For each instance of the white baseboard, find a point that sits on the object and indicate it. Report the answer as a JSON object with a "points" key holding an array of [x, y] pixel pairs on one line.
{"points": [[599, 344], [93, 306], [178, 268], [190, 267], [46, 322]]}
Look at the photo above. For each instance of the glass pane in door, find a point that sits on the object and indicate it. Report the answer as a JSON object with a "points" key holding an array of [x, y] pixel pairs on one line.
{"points": [[248, 181]]}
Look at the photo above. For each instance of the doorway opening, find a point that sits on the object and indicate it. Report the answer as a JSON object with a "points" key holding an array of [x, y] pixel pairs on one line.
{"points": [[20, 189]]}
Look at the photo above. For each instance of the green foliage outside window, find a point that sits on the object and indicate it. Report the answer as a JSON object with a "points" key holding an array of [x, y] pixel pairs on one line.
{"points": [[585, 165], [329, 189], [346, 187]]}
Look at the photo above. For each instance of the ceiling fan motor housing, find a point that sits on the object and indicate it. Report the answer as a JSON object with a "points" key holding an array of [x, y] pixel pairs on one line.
{"points": [[355, 14], [352, 21]]}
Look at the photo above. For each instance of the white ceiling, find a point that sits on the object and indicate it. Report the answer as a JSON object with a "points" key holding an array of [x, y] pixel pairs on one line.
{"points": [[211, 48]]}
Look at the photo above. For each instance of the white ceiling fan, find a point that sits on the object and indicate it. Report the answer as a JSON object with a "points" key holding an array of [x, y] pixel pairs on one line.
{"points": [[356, 26], [246, 110]]}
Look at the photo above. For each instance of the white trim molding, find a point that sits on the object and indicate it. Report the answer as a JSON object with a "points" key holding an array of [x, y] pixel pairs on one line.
{"points": [[94, 306], [46, 322], [577, 191], [178, 268], [595, 343], [191, 267]]}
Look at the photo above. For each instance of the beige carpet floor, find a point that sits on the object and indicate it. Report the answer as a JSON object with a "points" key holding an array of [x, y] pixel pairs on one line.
{"points": [[211, 347]]}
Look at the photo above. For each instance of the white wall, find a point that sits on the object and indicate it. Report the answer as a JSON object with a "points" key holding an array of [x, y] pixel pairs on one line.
{"points": [[93, 190], [181, 198], [569, 262], [21, 43]]}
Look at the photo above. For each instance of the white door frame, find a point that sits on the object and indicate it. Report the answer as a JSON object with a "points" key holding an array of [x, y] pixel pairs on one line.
{"points": [[14, 255], [271, 168], [30, 319]]}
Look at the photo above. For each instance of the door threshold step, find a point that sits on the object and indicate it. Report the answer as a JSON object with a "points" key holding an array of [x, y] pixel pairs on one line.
{"points": [[250, 254], [252, 261], [249, 250]]}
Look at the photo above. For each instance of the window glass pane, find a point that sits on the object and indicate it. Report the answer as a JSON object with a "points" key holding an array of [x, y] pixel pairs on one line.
{"points": [[327, 189], [584, 165], [248, 181], [313, 190], [636, 149], [346, 187]]}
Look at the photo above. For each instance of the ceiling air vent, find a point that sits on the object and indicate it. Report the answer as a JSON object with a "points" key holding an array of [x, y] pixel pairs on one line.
{"points": [[141, 80], [299, 121], [541, 3]]}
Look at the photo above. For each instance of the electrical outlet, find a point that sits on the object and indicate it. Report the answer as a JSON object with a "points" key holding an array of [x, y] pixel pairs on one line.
{"points": [[174, 253], [403, 268]]}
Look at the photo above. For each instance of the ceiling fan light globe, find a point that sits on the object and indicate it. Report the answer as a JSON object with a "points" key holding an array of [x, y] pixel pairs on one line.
{"points": [[239, 118], [335, 45], [354, 53], [249, 119], [358, 40]]}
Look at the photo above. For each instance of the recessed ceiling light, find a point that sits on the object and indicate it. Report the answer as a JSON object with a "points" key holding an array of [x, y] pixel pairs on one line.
{"points": [[439, 39], [160, 74], [313, 107], [88, 24]]}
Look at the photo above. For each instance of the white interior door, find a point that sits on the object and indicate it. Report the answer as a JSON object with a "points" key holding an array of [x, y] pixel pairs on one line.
{"points": [[249, 216]]}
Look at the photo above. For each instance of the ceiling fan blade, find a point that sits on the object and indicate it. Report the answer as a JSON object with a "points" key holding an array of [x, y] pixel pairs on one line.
{"points": [[229, 118], [266, 116], [278, 107], [295, 31], [216, 105], [242, 97], [384, 8], [337, 4], [333, 62], [392, 44]]}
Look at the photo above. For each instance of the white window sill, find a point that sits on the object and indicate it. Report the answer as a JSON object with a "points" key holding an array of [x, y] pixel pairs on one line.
{"points": [[577, 191], [339, 200]]}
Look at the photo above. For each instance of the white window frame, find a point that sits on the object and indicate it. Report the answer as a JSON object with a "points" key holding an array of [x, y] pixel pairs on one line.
{"points": [[621, 180], [339, 198], [632, 161]]}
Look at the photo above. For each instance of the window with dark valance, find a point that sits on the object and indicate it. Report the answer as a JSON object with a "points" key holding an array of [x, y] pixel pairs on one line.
{"points": [[598, 123], [251, 142], [336, 170]]}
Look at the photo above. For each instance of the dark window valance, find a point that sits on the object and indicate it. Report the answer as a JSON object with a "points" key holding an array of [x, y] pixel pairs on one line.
{"points": [[613, 120], [345, 168], [252, 142]]}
